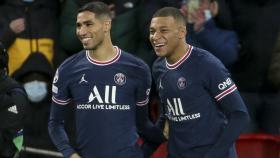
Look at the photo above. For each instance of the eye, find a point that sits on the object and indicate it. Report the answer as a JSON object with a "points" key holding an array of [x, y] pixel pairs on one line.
{"points": [[152, 31], [89, 24], [164, 30], [78, 25]]}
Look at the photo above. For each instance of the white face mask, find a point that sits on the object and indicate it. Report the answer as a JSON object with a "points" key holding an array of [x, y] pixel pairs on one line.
{"points": [[36, 90], [207, 14]]}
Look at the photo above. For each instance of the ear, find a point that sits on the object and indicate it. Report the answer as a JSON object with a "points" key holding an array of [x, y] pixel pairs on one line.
{"points": [[182, 32], [107, 25]]}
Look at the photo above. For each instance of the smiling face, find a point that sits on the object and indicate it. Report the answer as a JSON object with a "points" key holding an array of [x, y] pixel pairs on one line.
{"points": [[166, 35], [90, 30]]}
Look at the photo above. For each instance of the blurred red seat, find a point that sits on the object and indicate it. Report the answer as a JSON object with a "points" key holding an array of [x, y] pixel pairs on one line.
{"points": [[258, 146], [161, 151], [247, 146]]}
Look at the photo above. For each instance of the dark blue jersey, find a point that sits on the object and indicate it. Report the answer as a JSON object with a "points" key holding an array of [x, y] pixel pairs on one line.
{"points": [[199, 99], [106, 96]]}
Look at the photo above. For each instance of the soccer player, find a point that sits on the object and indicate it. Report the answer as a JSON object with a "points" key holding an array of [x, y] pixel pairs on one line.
{"points": [[201, 102], [109, 89]]}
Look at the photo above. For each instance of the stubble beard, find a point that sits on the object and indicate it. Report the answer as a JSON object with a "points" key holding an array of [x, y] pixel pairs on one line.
{"points": [[94, 47]]}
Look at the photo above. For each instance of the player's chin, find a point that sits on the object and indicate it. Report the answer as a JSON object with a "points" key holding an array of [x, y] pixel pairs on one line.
{"points": [[87, 47], [160, 53]]}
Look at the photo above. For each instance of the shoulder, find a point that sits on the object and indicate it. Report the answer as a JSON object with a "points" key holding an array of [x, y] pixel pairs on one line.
{"points": [[69, 63], [205, 58], [64, 71], [15, 90], [159, 67], [158, 63], [11, 85], [134, 61], [207, 63]]}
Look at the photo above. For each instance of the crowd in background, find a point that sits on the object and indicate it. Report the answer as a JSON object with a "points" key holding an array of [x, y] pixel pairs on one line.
{"points": [[243, 34]]}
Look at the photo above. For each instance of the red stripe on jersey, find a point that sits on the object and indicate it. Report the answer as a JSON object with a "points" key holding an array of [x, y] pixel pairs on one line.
{"points": [[179, 62], [226, 92], [143, 103], [60, 102]]}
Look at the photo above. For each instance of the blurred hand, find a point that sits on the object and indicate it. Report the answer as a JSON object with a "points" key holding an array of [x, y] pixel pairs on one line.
{"points": [[184, 10], [198, 19], [112, 10], [166, 130], [75, 155], [17, 25], [195, 17]]}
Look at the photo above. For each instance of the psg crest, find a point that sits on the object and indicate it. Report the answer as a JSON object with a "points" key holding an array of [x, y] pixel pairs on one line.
{"points": [[120, 79], [182, 83]]}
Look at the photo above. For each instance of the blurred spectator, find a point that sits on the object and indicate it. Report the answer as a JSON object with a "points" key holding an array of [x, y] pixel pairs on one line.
{"points": [[13, 104], [123, 33], [257, 24], [204, 32], [28, 26], [35, 75], [274, 67]]}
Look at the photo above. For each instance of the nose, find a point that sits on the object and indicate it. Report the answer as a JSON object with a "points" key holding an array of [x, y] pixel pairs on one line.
{"points": [[82, 31], [156, 36]]}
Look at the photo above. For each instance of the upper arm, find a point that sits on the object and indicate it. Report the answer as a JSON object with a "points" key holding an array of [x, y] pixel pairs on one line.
{"points": [[223, 89]]}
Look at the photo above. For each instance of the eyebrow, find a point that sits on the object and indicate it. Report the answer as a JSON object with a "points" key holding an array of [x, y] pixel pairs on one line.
{"points": [[161, 27], [84, 22]]}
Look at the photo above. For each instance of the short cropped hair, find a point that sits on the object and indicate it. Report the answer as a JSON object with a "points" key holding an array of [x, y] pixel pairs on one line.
{"points": [[100, 9], [171, 11]]}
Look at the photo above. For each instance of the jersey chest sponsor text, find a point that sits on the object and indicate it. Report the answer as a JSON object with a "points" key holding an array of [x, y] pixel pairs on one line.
{"points": [[103, 101], [176, 112]]}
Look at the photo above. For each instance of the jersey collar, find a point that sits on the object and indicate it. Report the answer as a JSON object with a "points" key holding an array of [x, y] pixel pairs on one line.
{"points": [[179, 62], [104, 63]]}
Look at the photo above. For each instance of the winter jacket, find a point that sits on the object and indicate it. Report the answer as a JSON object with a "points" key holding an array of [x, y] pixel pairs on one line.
{"points": [[13, 104], [39, 34]]}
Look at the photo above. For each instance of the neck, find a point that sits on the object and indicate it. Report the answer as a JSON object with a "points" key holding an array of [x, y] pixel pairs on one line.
{"points": [[103, 52], [178, 53]]}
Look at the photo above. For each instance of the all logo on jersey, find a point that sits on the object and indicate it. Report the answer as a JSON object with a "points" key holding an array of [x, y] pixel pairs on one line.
{"points": [[175, 107], [108, 97], [176, 112], [120, 79], [182, 83]]}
